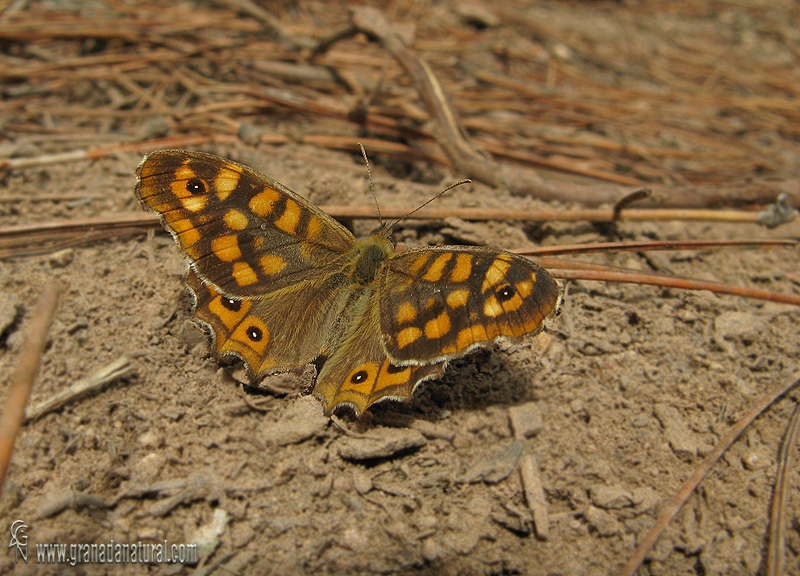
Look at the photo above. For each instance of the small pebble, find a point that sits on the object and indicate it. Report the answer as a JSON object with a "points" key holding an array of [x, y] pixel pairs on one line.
{"points": [[742, 325], [151, 439], [526, 420], [249, 134], [207, 536], [361, 482], [9, 308], [429, 550], [602, 521], [303, 419], [497, 467], [381, 443], [611, 497], [61, 259]]}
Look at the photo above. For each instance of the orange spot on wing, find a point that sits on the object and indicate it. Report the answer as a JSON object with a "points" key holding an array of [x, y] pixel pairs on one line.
{"points": [[464, 338], [186, 232], [457, 298], [192, 252], [226, 181], [472, 335], [314, 227], [406, 313], [492, 307], [184, 173], [194, 203], [496, 272], [290, 217], [438, 327], [434, 273], [180, 225], [264, 202], [449, 349], [226, 248], [272, 264], [189, 237], [386, 378], [244, 274], [525, 288], [463, 268], [166, 209], [408, 336], [421, 260], [480, 334], [235, 220]]}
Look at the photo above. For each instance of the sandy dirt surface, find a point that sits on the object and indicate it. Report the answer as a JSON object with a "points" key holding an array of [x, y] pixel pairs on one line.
{"points": [[617, 402]]}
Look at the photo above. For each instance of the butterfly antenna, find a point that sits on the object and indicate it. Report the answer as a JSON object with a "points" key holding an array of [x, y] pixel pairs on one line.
{"points": [[371, 185], [418, 208]]}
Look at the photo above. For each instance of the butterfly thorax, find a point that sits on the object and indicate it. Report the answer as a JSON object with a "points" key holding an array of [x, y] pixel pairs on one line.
{"points": [[368, 256]]}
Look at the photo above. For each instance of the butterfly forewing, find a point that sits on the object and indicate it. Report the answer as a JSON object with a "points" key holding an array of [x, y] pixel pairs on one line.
{"points": [[243, 232], [439, 302]]}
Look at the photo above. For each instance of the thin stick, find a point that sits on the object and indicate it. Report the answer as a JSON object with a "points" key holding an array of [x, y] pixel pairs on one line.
{"points": [[776, 547], [450, 133], [674, 282], [368, 212], [636, 246], [117, 369], [674, 506], [33, 239], [534, 495], [73, 499], [24, 374]]}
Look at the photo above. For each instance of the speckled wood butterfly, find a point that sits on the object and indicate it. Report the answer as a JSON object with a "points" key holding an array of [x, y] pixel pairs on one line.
{"points": [[280, 284]]}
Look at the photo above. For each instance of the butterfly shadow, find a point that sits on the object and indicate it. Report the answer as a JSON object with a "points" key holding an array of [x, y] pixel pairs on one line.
{"points": [[476, 382]]}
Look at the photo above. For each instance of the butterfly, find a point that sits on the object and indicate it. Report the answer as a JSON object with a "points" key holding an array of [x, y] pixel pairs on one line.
{"points": [[280, 284]]}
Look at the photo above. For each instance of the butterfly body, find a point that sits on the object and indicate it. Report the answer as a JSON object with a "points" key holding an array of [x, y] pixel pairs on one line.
{"points": [[280, 284]]}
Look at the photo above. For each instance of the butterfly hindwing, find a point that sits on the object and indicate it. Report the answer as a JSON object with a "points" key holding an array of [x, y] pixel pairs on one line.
{"points": [[358, 372], [243, 232], [282, 331], [439, 302]]}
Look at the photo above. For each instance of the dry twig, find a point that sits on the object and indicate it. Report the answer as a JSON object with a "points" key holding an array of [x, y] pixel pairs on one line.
{"points": [[534, 495], [674, 506], [24, 374], [776, 547], [117, 369]]}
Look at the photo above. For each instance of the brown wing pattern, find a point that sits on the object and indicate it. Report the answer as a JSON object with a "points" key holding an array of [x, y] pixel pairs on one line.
{"points": [[286, 329], [439, 302], [358, 373], [243, 232]]}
